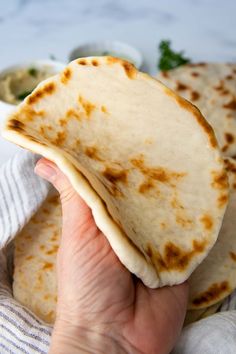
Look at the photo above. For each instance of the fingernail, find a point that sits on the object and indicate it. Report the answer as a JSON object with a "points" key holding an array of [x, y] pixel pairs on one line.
{"points": [[44, 170]]}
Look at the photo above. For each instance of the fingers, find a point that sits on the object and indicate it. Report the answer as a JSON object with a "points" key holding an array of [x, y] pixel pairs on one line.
{"points": [[74, 209]]}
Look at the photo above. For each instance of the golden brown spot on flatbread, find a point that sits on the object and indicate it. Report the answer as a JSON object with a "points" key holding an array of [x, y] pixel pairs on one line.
{"points": [[49, 317], [104, 109], [224, 92], [229, 166], [47, 296], [183, 221], [95, 62], [34, 97], [225, 147], [87, 106], [46, 211], [66, 75], [180, 86], [222, 200], [214, 292], [231, 104], [16, 125], [53, 250], [229, 138], [233, 256], [92, 153], [28, 114], [28, 237], [194, 95], [165, 74], [60, 138], [81, 62], [42, 131], [28, 258], [195, 74], [199, 117], [113, 60], [160, 174], [72, 113], [146, 186], [175, 203], [54, 237], [48, 266], [207, 221], [220, 180], [163, 225], [174, 258], [229, 77], [114, 175], [220, 86], [47, 89], [42, 247], [62, 122], [53, 200], [129, 68]]}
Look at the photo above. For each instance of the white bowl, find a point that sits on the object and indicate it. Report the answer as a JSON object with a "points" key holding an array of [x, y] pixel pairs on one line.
{"points": [[113, 48], [55, 67]]}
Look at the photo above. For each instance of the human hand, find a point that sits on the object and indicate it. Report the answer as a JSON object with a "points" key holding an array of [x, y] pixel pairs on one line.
{"points": [[101, 307]]}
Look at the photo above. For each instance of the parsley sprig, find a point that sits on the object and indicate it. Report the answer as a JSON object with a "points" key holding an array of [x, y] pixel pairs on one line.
{"points": [[170, 59]]}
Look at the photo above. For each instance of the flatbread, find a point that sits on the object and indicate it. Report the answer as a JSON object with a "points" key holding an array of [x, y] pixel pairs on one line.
{"points": [[144, 159], [212, 88], [196, 315], [215, 278], [34, 277]]}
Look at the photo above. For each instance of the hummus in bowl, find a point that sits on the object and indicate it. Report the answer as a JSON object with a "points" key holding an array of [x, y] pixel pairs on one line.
{"points": [[17, 82]]}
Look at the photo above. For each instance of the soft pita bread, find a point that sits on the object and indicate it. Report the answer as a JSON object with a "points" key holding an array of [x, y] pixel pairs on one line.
{"points": [[196, 315], [34, 278], [144, 159], [212, 88], [215, 278]]}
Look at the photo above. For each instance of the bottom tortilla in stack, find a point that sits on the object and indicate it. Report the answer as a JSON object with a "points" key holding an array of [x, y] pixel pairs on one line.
{"points": [[34, 280]]}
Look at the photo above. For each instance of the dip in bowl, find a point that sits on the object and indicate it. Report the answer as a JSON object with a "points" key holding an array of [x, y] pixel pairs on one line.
{"points": [[17, 82]]}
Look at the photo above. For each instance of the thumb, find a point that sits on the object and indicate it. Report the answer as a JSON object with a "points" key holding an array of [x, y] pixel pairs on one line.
{"points": [[75, 211]]}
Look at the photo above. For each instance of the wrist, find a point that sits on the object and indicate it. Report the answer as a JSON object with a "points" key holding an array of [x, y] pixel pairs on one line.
{"points": [[67, 338]]}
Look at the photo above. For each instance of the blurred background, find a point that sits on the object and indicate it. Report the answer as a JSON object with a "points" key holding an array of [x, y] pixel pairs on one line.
{"points": [[33, 29], [43, 29]]}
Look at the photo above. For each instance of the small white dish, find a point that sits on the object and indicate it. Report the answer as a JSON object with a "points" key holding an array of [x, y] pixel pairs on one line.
{"points": [[112, 48], [51, 65]]}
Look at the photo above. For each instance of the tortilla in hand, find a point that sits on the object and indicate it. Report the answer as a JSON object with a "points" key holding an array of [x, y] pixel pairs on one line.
{"points": [[144, 160]]}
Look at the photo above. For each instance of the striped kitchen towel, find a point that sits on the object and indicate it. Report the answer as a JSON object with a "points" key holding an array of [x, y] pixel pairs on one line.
{"points": [[21, 194]]}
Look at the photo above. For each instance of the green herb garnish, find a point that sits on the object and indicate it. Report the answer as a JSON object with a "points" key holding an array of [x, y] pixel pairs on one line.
{"points": [[24, 94], [170, 59], [33, 72], [105, 53]]}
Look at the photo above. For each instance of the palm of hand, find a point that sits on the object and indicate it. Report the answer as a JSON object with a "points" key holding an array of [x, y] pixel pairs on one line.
{"points": [[104, 294]]}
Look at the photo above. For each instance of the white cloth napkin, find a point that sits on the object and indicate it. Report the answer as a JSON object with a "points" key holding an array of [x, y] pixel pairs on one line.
{"points": [[21, 194]]}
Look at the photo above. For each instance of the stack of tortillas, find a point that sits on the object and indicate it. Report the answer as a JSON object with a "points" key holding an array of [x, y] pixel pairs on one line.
{"points": [[148, 165], [212, 88]]}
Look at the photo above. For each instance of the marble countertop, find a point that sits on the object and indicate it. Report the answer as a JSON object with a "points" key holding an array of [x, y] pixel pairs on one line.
{"points": [[37, 29]]}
